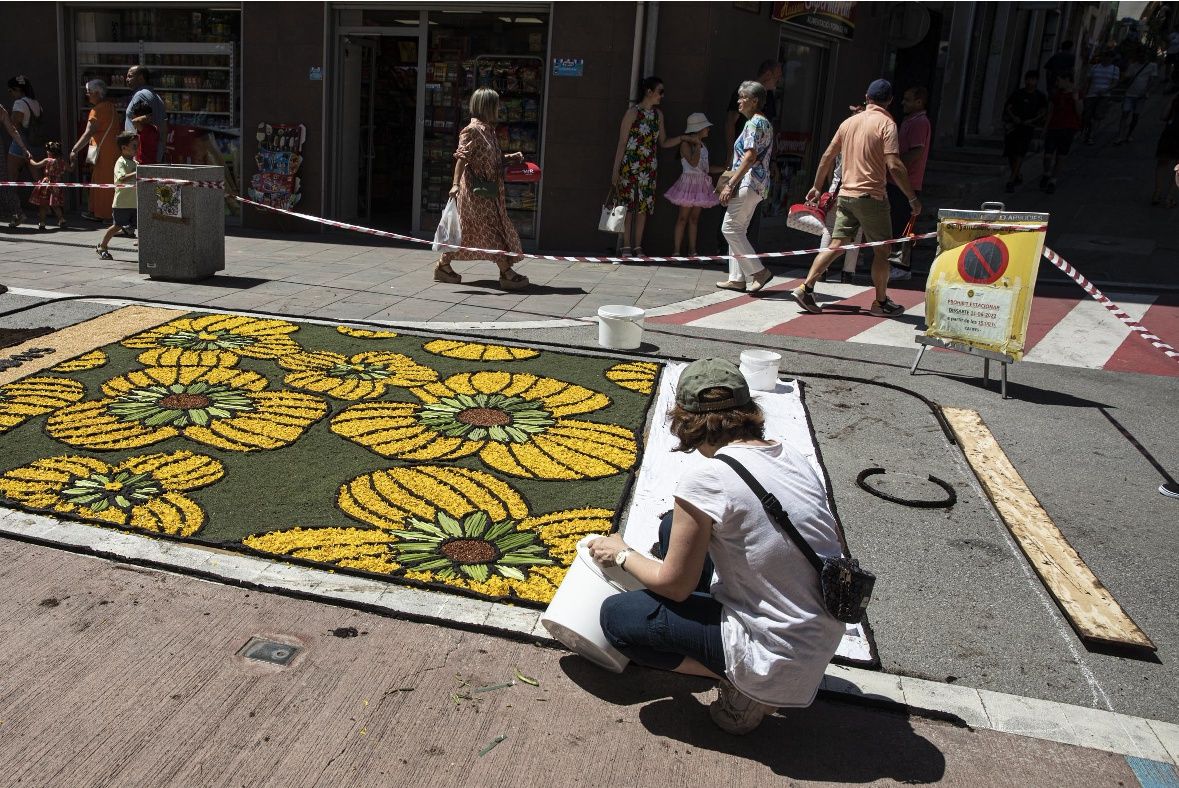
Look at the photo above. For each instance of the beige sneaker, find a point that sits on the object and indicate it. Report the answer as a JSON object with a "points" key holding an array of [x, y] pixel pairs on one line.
{"points": [[736, 713]]}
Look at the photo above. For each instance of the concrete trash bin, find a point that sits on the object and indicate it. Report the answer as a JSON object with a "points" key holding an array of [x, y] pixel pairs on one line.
{"points": [[181, 227]]}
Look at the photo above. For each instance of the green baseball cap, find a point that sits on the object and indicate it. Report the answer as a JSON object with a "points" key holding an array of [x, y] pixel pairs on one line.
{"points": [[711, 373]]}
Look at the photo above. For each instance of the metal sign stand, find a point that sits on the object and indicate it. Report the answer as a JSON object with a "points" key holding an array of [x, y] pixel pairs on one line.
{"points": [[987, 356]]}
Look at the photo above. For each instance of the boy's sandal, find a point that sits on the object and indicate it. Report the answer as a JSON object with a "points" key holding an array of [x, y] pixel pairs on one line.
{"points": [[103, 254], [444, 273]]}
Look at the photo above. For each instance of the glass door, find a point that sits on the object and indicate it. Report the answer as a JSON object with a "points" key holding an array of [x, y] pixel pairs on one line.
{"points": [[801, 98]]}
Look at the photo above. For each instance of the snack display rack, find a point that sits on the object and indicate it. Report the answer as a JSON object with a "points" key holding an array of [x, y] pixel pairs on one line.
{"points": [[450, 80]]}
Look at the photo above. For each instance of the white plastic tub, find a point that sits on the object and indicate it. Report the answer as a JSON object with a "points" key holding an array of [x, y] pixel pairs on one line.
{"points": [[620, 327], [760, 368], [573, 615]]}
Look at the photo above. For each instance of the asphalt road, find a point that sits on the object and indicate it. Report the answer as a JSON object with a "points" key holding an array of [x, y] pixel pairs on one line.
{"points": [[956, 600]]}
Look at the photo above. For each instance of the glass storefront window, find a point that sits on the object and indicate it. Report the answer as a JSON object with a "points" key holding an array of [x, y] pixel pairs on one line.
{"points": [[800, 101], [466, 51]]}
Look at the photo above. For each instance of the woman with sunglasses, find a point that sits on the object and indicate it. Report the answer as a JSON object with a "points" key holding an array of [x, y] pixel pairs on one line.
{"points": [[639, 139]]}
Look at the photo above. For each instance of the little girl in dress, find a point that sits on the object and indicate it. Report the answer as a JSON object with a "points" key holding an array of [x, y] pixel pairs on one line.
{"points": [[46, 194], [693, 191]]}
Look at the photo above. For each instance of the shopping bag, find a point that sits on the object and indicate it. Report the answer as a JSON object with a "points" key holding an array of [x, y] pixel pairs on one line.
{"points": [[613, 218], [522, 172], [450, 230]]}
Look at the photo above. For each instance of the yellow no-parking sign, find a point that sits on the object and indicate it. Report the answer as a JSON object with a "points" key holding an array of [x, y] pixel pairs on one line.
{"points": [[979, 291]]}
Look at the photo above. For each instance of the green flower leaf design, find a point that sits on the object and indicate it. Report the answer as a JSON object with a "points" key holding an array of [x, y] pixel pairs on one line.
{"points": [[100, 491], [473, 547], [181, 404], [497, 417], [207, 340]]}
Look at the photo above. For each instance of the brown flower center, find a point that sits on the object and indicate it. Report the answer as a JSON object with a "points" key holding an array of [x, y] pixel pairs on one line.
{"points": [[484, 417], [185, 401], [470, 551]]}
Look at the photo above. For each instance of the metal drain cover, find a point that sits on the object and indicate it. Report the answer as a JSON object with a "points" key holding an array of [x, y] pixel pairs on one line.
{"points": [[269, 651]]}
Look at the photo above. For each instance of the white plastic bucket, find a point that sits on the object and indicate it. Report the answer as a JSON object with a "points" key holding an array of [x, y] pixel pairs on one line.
{"points": [[620, 327], [760, 368], [573, 615]]}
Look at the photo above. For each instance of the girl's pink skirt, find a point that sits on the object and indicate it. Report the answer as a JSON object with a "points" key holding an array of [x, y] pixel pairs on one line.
{"points": [[692, 190]]}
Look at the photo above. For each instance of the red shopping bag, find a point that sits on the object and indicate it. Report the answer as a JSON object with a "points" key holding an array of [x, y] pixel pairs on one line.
{"points": [[522, 172]]}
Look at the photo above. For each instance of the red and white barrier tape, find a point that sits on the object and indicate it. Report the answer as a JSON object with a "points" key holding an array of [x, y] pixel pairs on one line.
{"points": [[1114, 309], [73, 185], [571, 258]]}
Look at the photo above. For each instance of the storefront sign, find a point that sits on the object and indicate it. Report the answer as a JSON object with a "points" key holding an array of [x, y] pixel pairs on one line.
{"points": [[980, 288], [568, 67], [836, 19]]}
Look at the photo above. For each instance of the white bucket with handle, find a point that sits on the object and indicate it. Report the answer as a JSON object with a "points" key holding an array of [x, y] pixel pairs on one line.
{"points": [[620, 327], [573, 615], [760, 368]]}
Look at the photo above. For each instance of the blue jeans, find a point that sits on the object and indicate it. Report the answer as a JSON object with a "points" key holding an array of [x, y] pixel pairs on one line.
{"points": [[659, 633]]}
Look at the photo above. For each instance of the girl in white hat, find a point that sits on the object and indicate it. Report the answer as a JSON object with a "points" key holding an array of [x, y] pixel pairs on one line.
{"points": [[693, 191]]}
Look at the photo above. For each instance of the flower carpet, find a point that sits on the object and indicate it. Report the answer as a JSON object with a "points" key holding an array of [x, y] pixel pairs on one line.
{"points": [[467, 466]]}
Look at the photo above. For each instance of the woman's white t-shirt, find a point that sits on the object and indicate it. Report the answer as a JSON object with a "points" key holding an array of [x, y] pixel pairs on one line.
{"points": [[28, 108], [777, 636]]}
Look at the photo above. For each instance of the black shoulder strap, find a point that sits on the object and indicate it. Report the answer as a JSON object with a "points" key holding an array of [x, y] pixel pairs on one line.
{"points": [[774, 509]]}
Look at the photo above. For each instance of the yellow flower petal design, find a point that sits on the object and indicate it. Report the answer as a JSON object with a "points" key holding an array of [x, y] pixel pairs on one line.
{"points": [[92, 360], [90, 426], [571, 449], [143, 492], [230, 336], [478, 351], [561, 531], [362, 376], [178, 470], [222, 407], [391, 430], [23, 399], [634, 375], [176, 356], [282, 416], [366, 549], [386, 498], [365, 333], [557, 396]]}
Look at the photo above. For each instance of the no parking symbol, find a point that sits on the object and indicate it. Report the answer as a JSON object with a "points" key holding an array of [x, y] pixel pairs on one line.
{"points": [[983, 261]]}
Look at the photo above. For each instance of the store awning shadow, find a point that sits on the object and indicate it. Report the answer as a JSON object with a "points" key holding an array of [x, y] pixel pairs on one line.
{"points": [[828, 742]]}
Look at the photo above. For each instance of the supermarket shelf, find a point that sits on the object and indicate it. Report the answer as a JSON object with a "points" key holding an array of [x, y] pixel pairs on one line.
{"points": [[159, 89], [162, 67]]}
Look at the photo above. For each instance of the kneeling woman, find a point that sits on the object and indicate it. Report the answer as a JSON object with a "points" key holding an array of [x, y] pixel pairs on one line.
{"points": [[759, 626]]}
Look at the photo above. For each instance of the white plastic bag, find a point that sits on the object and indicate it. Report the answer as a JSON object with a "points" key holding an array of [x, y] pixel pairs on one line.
{"points": [[450, 229], [613, 218]]}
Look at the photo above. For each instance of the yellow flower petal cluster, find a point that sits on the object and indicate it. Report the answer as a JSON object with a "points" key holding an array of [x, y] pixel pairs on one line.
{"points": [[142, 492], [415, 516], [23, 399], [362, 376], [223, 407], [226, 337], [365, 333], [516, 422], [478, 351], [634, 375], [92, 360]]}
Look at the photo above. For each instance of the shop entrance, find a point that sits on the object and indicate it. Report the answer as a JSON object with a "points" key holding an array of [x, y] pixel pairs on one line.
{"points": [[379, 134], [803, 89]]}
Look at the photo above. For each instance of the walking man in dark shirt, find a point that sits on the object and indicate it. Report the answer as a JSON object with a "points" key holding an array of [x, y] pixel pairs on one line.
{"points": [[1024, 112]]}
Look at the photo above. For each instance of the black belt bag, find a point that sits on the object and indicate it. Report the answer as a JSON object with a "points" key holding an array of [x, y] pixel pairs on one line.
{"points": [[846, 588], [484, 189]]}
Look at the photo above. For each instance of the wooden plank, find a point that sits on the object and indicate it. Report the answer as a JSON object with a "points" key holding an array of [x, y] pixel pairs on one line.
{"points": [[85, 336], [1088, 605]]}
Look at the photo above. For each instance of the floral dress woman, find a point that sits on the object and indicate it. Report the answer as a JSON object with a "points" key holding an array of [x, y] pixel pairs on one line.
{"points": [[484, 222], [636, 184]]}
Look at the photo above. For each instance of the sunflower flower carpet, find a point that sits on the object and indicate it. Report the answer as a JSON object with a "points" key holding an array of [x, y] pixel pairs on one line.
{"points": [[438, 462]]}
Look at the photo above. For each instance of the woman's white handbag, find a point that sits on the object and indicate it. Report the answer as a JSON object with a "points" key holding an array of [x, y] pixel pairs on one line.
{"points": [[450, 229], [613, 214]]}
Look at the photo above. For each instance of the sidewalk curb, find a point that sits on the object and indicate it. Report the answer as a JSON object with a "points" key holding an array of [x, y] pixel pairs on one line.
{"points": [[964, 706]]}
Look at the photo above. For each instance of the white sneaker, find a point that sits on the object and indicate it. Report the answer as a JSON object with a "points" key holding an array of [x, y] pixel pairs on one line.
{"points": [[735, 712], [898, 274]]}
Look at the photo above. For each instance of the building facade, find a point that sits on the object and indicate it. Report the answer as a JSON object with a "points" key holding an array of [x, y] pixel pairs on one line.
{"points": [[381, 88]]}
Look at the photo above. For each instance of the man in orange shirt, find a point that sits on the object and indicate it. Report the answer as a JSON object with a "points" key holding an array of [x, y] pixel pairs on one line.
{"points": [[871, 152]]}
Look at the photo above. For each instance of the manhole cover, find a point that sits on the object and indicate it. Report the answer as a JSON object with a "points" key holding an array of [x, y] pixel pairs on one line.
{"points": [[269, 651]]}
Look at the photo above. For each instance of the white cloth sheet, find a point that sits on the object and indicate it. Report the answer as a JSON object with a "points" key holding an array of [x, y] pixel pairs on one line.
{"points": [[786, 421]]}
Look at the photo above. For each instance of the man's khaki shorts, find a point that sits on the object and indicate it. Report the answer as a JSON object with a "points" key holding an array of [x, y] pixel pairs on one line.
{"points": [[852, 213]]}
